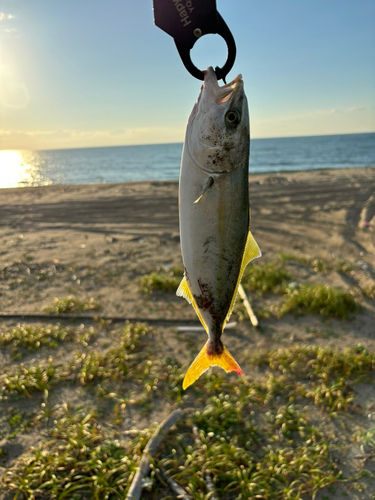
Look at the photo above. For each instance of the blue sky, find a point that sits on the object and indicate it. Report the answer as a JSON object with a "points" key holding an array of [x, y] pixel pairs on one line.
{"points": [[79, 73]]}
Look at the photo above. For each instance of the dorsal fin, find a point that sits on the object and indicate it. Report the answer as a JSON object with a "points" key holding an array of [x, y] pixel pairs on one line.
{"points": [[184, 291], [251, 252]]}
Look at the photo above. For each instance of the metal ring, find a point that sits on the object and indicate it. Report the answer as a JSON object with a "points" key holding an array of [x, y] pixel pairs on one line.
{"points": [[221, 73]]}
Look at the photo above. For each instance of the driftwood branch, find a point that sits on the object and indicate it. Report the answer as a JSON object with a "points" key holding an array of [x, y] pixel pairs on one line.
{"points": [[210, 486], [175, 487], [207, 474], [96, 318], [365, 457], [135, 489], [249, 309]]}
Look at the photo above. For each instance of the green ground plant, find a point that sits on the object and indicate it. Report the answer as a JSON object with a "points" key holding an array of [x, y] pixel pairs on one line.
{"points": [[248, 460], [256, 435], [296, 297], [165, 281], [71, 305], [324, 375], [318, 299], [77, 461], [270, 278], [27, 379], [24, 337], [369, 291], [318, 264], [15, 422]]}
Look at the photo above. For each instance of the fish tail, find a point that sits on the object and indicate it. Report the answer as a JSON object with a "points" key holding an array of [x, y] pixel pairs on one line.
{"points": [[207, 358]]}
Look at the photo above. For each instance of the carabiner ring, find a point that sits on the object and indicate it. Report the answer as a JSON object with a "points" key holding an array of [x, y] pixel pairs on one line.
{"points": [[221, 73]]}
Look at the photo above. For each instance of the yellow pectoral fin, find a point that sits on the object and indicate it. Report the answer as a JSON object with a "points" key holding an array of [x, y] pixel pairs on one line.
{"points": [[204, 360]]}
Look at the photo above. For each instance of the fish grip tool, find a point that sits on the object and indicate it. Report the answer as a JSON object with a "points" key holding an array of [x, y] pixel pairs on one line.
{"points": [[188, 20]]}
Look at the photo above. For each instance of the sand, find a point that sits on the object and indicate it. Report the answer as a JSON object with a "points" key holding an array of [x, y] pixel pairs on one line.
{"points": [[98, 240], [81, 238]]}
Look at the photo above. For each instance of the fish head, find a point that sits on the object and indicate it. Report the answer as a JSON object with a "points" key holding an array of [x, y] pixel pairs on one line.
{"points": [[218, 127]]}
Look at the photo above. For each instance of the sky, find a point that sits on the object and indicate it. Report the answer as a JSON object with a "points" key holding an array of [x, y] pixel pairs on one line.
{"points": [[86, 73]]}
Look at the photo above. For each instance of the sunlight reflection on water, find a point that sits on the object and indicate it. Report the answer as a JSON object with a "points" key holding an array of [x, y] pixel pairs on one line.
{"points": [[19, 169], [161, 162]]}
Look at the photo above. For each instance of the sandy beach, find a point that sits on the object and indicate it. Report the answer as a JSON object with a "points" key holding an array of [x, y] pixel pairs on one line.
{"points": [[127, 230], [99, 240]]}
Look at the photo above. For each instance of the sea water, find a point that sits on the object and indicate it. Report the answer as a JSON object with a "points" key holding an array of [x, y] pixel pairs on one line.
{"points": [[162, 161]]}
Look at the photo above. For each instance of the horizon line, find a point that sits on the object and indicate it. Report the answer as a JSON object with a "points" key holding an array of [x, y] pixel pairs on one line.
{"points": [[182, 142]]}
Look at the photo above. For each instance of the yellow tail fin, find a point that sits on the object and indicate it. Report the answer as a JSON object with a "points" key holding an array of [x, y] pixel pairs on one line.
{"points": [[204, 360]]}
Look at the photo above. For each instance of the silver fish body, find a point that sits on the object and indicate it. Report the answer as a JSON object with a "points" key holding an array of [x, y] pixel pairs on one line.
{"points": [[214, 205]]}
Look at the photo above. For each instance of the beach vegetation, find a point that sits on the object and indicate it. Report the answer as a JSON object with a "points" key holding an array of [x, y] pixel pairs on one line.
{"points": [[369, 291], [25, 338], [265, 427], [26, 379], [324, 375], [318, 264], [318, 299], [162, 280], [71, 305], [267, 278], [343, 266], [76, 461], [366, 439], [15, 422]]}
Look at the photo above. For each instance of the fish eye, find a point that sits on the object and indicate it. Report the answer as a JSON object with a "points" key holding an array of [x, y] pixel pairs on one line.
{"points": [[232, 117]]}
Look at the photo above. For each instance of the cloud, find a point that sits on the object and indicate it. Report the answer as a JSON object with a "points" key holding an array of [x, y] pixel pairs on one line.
{"points": [[315, 114], [119, 131], [4, 24], [72, 138], [327, 112], [345, 120], [4, 16]]}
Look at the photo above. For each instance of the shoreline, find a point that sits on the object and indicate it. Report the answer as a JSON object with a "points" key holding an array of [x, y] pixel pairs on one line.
{"points": [[251, 176]]}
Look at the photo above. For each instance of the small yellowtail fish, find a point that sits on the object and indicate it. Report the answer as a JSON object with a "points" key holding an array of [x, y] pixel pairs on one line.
{"points": [[216, 241]]}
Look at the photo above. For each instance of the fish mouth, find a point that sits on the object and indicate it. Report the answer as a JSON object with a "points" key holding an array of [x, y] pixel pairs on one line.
{"points": [[223, 94], [211, 91]]}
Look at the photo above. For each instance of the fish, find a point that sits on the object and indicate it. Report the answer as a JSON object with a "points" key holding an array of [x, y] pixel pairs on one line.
{"points": [[214, 214]]}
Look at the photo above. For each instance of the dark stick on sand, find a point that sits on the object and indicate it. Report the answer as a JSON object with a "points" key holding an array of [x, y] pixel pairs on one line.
{"points": [[135, 489], [175, 487], [207, 474], [112, 319]]}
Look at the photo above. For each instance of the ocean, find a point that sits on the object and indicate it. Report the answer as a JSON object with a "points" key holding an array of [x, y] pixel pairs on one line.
{"points": [[162, 161]]}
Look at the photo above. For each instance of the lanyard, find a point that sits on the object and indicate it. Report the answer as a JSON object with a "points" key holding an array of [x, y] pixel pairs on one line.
{"points": [[188, 20]]}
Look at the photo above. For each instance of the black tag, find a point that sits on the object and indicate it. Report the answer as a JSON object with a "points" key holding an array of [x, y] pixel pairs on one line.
{"points": [[186, 20]]}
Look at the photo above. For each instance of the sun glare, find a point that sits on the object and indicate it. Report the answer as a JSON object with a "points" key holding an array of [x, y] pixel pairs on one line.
{"points": [[14, 171]]}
